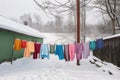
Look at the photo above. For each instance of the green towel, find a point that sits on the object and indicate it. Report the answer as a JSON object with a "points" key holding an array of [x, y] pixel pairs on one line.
{"points": [[52, 49], [92, 45]]}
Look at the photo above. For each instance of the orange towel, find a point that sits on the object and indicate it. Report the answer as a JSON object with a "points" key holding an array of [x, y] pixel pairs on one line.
{"points": [[17, 44], [29, 48]]}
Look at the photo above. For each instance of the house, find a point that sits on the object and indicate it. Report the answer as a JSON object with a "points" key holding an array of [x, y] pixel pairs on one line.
{"points": [[9, 30]]}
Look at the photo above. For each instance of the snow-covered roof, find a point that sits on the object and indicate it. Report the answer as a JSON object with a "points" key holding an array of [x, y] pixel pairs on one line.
{"points": [[19, 28], [113, 36]]}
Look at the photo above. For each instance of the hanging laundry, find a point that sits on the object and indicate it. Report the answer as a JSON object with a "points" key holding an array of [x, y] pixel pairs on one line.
{"points": [[44, 51], [99, 43], [92, 45], [66, 53], [29, 48], [17, 44], [79, 49], [37, 47], [86, 50], [72, 51], [59, 51], [52, 49], [23, 43]]}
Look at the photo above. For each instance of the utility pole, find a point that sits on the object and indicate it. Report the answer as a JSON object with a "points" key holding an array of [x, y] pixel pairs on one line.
{"points": [[78, 20], [78, 23]]}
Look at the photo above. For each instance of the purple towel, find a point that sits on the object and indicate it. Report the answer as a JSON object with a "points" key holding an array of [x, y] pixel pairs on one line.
{"points": [[79, 49], [86, 51]]}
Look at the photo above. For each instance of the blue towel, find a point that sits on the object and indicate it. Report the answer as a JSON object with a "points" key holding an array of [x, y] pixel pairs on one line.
{"points": [[59, 51], [99, 43], [44, 52]]}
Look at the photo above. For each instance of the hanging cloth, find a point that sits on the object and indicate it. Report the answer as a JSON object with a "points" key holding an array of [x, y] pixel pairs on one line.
{"points": [[17, 44], [23, 43], [66, 53], [29, 48], [99, 43], [92, 45], [37, 47], [44, 51], [52, 49], [72, 51], [79, 49], [59, 51], [86, 50]]}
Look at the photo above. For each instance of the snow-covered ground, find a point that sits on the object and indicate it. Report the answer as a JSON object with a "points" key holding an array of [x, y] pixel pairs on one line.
{"points": [[55, 69]]}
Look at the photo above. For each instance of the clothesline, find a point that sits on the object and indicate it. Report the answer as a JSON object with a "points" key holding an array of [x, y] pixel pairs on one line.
{"points": [[68, 51]]}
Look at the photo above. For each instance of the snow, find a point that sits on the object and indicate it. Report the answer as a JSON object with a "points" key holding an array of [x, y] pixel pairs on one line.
{"points": [[104, 66], [55, 69], [113, 36], [57, 38], [19, 28]]}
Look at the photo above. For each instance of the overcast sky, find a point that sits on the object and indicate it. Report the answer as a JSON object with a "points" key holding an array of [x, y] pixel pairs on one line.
{"points": [[16, 8]]}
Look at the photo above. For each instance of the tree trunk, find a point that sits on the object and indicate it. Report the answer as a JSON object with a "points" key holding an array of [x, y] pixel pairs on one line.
{"points": [[113, 26]]}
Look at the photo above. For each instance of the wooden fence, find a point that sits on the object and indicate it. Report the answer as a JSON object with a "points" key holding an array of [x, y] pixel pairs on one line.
{"points": [[110, 52]]}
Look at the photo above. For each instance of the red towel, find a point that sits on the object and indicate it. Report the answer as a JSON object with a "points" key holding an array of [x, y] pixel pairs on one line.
{"points": [[23, 43]]}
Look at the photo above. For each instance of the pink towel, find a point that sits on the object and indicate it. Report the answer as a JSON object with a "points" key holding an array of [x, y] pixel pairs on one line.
{"points": [[72, 51]]}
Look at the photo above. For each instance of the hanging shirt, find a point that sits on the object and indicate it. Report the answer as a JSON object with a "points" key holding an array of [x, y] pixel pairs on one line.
{"points": [[17, 44], [23, 43], [52, 48], [72, 51], [29, 48], [66, 53], [44, 51], [37, 47], [79, 49], [92, 45], [59, 51], [86, 50], [99, 43]]}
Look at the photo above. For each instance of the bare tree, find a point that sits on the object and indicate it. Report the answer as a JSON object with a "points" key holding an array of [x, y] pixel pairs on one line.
{"points": [[38, 21], [26, 19], [70, 23], [58, 23], [110, 8], [57, 8]]}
